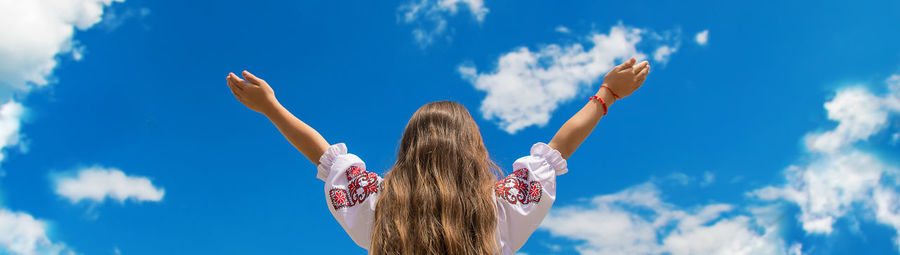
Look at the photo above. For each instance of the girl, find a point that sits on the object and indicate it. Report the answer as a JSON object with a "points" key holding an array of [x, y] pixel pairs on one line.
{"points": [[442, 195]]}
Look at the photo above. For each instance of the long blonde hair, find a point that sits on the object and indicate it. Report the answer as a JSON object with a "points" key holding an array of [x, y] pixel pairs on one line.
{"points": [[437, 198]]}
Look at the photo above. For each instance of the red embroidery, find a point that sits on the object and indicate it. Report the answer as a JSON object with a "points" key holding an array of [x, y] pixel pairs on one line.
{"points": [[534, 192], [338, 198], [362, 184], [516, 188]]}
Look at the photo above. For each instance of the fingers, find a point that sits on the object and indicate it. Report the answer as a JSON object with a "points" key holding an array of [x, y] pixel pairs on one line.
{"points": [[240, 83], [232, 83], [252, 78], [235, 80], [626, 64], [234, 77], [236, 93], [235, 90], [642, 75], [640, 67]]}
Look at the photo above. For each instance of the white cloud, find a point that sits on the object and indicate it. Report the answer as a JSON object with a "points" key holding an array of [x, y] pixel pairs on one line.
{"points": [[840, 178], [702, 38], [727, 236], [20, 233], [892, 101], [29, 49], [796, 249], [10, 120], [637, 221], [114, 19], [97, 183], [527, 86], [671, 42], [827, 188], [563, 30], [859, 115], [43, 29], [663, 52], [34, 33], [430, 16], [680, 178], [708, 178]]}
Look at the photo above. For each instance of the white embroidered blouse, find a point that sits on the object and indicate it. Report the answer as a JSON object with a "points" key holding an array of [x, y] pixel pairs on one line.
{"points": [[523, 198]]}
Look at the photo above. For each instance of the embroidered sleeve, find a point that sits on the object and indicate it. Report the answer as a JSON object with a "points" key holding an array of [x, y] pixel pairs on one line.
{"points": [[350, 191], [526, 195]]}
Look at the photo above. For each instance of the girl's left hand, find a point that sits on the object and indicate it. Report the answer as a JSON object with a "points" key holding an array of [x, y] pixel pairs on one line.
{"points": [[624, 79], [254, 93]]}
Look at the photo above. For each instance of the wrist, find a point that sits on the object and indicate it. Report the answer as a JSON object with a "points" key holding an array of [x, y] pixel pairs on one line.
{"points": [[271, 109], [606, 95]]}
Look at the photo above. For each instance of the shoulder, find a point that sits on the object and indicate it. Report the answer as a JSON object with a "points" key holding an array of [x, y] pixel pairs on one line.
{"points": [[542, 155], [335, 159]]}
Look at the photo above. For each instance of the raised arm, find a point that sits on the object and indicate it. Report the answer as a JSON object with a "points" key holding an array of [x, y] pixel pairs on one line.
{"points": [[257, 95], [621, 81]]}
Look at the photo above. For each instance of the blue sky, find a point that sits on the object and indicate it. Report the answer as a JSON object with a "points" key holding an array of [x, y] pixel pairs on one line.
{"points": [[776, 135]]}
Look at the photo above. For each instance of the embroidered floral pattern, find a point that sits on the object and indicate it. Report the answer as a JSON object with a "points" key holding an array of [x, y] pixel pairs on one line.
{"points": [[362, 184], [516, 188], [338, 198], [534, 191]]}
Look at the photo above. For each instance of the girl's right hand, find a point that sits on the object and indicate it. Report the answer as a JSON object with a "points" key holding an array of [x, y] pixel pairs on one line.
{"points": [[624, 79], [254, 93]]}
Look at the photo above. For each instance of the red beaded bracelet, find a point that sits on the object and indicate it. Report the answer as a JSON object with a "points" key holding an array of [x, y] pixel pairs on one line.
{"points": [[610, 91], [605, 109]]}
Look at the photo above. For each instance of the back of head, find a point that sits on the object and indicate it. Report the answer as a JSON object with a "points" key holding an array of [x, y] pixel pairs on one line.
{"points": [[437, 199]]}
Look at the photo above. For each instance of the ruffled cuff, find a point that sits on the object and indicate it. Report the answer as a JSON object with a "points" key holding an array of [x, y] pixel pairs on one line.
{"points": [[326, 161], [553, 157]]}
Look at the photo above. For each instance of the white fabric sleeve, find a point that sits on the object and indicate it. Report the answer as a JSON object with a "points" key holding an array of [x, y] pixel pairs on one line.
{"points": [[350, 192], [525, 196]]}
